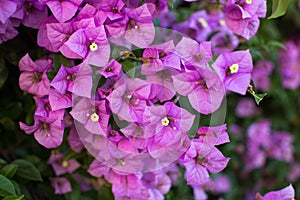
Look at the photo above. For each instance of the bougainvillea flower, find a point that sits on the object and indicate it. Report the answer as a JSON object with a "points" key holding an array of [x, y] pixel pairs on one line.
{"points": [[260, 74], [246, 107], [201, 158], [58, 100], [136, 27], [260, 133], [125, 158], [82, 86], [89, 16], [259, 139], [200, 22], [7, 31], [224, 41], [42, 37], [33, 78], [242, 16], [235, 70], [48, 132], [137, 136], [166, 122], [282, 147], [64, 79], [62, 166], [204, 89], [213, 135], [165, 154], [157, 184], [128, 99], [162, 84], [287, 193], [89, 44], [199, 193], [92, 114], [32, 13], [128, 187], [113, 68], [112, 8], [139, 28], [157, 57], [219, 185], [74, 140], [289, 64], [7, 9], [192, 52], [45, 110], [61, 185], [58, 33], [63, 10], [113, 135], [84, 182]]}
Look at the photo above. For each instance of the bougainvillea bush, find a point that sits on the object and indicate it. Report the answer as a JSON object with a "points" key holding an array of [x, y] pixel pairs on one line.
{"points": [[151, 99]]}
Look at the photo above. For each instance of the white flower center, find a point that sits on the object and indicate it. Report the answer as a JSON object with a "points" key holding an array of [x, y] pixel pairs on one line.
{"points": [[222, 22], [203, 22], [94, 117], [93, 47], [165, 121], [234, 68], [248, 1]]}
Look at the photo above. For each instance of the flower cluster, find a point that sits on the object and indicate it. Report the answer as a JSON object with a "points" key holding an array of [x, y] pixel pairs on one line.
{"points": [[112, 86], [289, 64], [262, 143], [15, 12]]}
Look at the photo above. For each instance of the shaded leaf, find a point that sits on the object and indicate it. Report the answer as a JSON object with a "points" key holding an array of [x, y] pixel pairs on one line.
{"points": [[128, 68], [279, 8], [75, 193], [9, 170], [2, 162], [14, 197], [27, 170], [259, 97], [6, 187]]}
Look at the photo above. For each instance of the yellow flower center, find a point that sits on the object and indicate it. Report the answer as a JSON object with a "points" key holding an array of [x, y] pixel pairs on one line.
{"points": [[65, 163], [222, 22], [94, 117], [165, 121], [248, 1], [234, 68], [93, 47], [203, 22]]}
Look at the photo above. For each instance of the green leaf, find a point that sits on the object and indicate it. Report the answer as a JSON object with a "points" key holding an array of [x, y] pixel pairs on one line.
{"points": [[14, 197], [2, 161], [6, 187], [128, 67], [9, 170], [258, 97], [276, 44], [17, 187], [75, 193], [59, 60], [171, 2], [279, 8], [27, 170]]}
